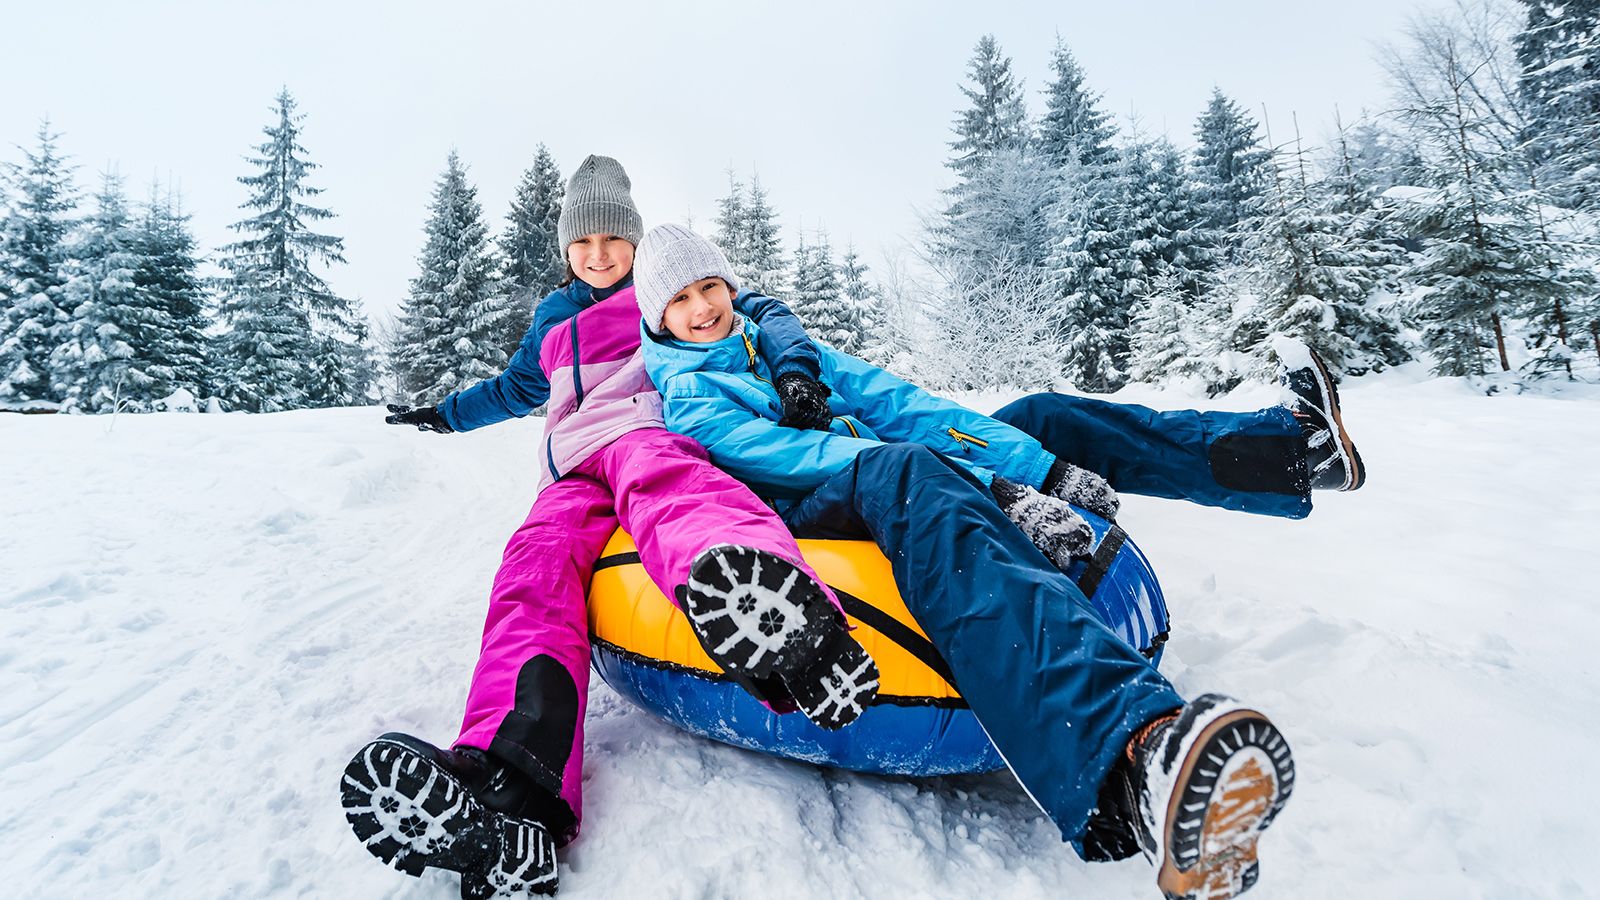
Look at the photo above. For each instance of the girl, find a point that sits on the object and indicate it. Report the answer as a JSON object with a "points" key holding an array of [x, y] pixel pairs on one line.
{"points": [[1093, 732], [495, 805]]}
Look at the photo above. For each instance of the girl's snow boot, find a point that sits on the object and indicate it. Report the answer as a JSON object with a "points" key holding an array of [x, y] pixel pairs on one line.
{"points": [[1210, 778], [1331, 456], [771, 628], [414, 805]]}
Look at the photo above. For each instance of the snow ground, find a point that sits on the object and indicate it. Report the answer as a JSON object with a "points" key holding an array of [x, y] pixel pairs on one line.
{"points": [[205, 616]]}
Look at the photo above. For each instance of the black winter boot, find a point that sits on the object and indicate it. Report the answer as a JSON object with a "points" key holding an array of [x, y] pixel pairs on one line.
{"points": [[1209, 779], [414, 805], [771, 628], [1331, 456]]}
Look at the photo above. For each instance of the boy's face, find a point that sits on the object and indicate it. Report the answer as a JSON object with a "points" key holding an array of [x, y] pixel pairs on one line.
{"points": [[701, 312], [601, 260]]}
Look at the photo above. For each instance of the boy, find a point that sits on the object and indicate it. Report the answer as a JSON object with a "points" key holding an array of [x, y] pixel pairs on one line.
{"points": [[1099, 739]]}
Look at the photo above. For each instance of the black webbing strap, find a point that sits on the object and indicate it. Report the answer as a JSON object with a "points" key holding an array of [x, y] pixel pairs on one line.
{"points": [[1100, 562], [858, 609]]}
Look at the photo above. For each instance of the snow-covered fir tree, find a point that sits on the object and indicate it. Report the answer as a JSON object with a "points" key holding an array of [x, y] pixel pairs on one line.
{"points": [[530, 250], [1122, 224], [748, 232], [1489, 258], [1231, 166], [1558, 51], [33, 271], [998, 209], [100, 363], [996, 119], [1089, 266], [867, 299], [168, 278], [291, 340], [1073, 127], [1316, 273], [1161, 344], [818, 298], [454, 317]]}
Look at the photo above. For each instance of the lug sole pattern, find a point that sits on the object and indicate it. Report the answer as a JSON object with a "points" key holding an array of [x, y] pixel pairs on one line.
{"points": [[760, 617], [1234, 780], [413, 814], [1327, 407]]}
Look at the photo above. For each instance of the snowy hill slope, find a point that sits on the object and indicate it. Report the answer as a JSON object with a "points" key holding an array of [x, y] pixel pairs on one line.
{"points": [[202, 617]]}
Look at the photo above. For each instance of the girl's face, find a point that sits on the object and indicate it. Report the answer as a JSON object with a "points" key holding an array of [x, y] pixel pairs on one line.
{"points": [[700, 313], [601, 259]]}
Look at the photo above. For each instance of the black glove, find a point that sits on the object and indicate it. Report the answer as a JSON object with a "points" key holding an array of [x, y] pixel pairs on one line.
{"points": [[805, 402], [1053, 526], [1081, 487], [426, 418]]}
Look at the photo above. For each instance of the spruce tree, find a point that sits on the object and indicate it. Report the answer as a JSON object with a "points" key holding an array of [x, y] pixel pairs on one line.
{"points": [[102, 363], [1090, 266], [875, 346], [1073, 127], [453, 318], [1160, 344], [996, 119], [764, 265], [819, 299], [1315, 274], [997, 215], [732, 233], [534, 264], [1558, 50], [33, 274], [167, 277], [292, 341], [1231, 166]]}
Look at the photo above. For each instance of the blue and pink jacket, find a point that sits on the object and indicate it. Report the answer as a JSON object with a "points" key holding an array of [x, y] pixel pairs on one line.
{"points": [[524, 386]]}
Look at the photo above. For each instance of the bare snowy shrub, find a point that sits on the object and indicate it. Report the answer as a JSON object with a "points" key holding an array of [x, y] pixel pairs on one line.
{"points": [[969, 328]]}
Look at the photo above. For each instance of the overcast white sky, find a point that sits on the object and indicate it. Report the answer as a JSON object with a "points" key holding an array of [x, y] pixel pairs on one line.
{"points": [[843, 107]]}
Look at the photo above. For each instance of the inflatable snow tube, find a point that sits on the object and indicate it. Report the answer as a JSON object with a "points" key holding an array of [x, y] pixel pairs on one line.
{"points": [[643, 647]]}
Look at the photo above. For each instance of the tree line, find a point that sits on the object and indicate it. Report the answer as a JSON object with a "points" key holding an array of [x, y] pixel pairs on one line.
{"points": [[1457, 227]]}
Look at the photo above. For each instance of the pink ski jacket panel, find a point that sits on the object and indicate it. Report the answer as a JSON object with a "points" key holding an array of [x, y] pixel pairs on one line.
{"points": [[599, 389]]}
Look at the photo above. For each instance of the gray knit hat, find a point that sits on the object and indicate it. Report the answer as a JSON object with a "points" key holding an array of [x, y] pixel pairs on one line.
{"points": [[669, 258], [598, 201]]}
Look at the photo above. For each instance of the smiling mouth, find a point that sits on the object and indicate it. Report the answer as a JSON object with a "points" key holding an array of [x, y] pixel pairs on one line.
{"points": [[605, 268], [707, 326]]}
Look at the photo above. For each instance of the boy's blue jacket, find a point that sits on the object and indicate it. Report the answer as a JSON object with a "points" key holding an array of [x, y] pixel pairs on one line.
{"points": [[522, 387], [721, 394]]}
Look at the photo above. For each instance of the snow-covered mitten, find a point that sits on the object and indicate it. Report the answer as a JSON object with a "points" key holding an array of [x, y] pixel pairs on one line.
{"points": [[1209, 779], [426, 418], [805, 402], [1053, 526], [1081, 487]]}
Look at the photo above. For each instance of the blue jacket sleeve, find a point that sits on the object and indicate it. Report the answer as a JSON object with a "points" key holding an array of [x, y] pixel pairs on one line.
{"points": [[900, 412], [517, 391], [782, 341], [776, 462]]}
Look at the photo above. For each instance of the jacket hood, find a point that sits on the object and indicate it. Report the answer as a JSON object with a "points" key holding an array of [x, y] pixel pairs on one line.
{"points": [[666, 357]]}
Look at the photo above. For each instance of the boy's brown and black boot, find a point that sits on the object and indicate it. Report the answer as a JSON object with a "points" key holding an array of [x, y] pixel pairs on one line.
{"points": [[1331, 457], [1210, 778]]}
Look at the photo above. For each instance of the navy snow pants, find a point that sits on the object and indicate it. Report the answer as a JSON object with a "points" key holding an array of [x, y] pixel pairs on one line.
{"points": [[1251, 462], [1058, 692]]}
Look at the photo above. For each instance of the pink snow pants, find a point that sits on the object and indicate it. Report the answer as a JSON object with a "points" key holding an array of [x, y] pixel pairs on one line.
{"points": [[530, 688]]}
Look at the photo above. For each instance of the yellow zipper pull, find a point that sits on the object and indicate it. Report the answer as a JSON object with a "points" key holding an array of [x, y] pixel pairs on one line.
{"points": [[963, 439]]}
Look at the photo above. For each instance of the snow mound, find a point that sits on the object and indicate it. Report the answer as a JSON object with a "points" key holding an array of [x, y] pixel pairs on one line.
{"points": [[203, 617]]}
